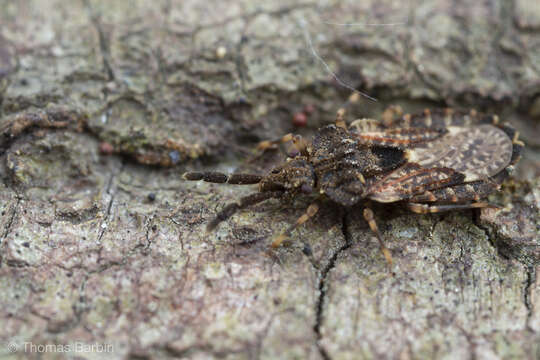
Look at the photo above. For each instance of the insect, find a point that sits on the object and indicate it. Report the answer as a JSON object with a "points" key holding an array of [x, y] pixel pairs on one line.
{"points": [[434, 161]]}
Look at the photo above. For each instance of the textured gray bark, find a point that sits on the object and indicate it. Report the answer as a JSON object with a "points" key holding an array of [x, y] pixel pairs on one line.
{"points": [[104, 103]]}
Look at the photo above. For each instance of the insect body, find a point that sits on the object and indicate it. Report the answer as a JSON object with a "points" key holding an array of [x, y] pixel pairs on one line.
{"points": [[434, 161]]}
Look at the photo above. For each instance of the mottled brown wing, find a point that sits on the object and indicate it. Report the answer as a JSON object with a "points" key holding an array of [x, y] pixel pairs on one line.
{"points": [[478, 152], [411, 179], [462, 155]]}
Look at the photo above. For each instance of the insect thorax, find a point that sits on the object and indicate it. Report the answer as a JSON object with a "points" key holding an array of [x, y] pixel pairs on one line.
{"points": [[344, 168]]}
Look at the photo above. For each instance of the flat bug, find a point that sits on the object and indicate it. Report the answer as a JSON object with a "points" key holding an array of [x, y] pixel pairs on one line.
{"points": [[434, 161]]}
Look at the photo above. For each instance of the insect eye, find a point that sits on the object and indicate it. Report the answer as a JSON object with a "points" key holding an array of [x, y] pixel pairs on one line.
{"points": [[293, 153], [306, 188]]}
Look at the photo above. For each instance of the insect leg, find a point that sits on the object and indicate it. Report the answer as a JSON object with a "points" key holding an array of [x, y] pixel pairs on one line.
{"points": [[220, 178], [310, 212], [246, 201], [263, 145], [368, 215], [299, 144], [340, 115], [391, 114], [340, 118], [425, 208]]}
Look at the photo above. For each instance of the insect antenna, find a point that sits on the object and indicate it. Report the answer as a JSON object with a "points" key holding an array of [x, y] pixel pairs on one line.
{"points": [[244, 202], [221, 178]]}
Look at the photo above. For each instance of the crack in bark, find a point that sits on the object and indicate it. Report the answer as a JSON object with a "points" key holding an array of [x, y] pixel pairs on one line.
{"points": [[531, 279], [8, 228], [529, 269], [485, 229], [149, 227], [103, 226], [323, 287]]}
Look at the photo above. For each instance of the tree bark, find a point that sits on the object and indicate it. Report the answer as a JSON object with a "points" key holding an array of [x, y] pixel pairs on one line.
{"points": [[103, 105]]}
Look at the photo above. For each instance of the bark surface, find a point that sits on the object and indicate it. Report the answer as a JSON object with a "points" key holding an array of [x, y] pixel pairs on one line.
{"points": [[103, 105]]}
